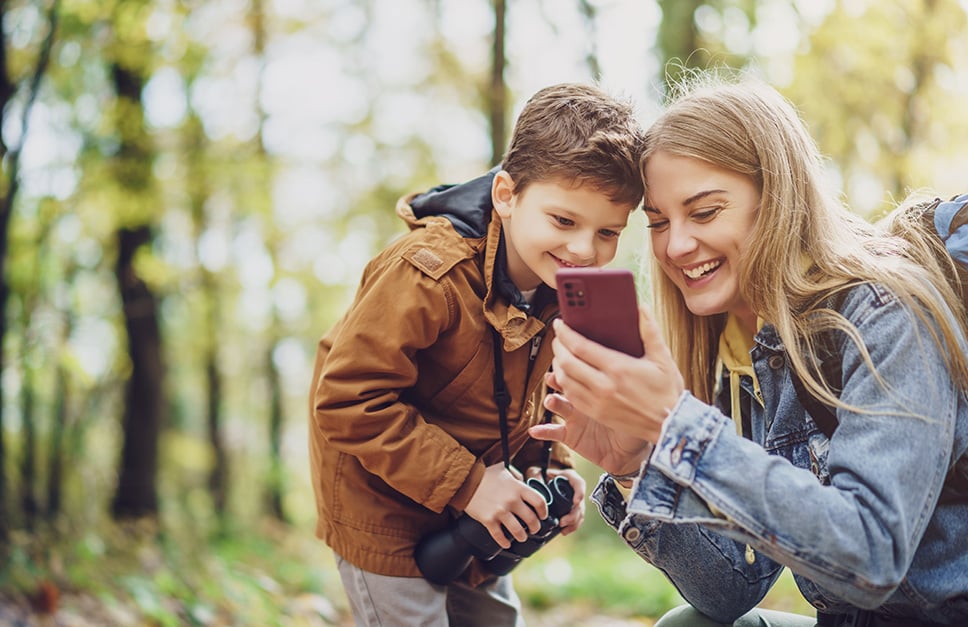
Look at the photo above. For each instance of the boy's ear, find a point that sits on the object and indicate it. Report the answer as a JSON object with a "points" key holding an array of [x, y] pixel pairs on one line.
{"points": [[502, 194]]}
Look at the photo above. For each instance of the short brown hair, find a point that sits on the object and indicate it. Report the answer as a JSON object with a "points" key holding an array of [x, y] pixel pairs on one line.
{"points": [[577, 132]]}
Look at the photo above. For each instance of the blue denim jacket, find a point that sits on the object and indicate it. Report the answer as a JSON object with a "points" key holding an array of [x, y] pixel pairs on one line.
{"points": [[857, 519]]}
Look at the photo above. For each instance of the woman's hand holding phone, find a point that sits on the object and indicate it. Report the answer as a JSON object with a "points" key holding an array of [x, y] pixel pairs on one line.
{"points": [[613, 404]]}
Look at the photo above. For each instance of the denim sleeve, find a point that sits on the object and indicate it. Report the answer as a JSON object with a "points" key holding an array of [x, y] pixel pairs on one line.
{"points": [[855, 537], [709, 570]]}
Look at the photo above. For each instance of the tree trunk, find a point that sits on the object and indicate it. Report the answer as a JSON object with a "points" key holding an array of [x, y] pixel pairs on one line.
{"points": [[28, 459], [276, 467], [497, 94], [6, 94], [589, 14], [136, 494], [200, 191], [218, 478], [678, 39], [11, 161], [59, 426]]}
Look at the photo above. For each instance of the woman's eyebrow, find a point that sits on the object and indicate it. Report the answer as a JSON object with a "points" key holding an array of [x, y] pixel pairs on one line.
{"points": [[700, 195], [688, 201]]}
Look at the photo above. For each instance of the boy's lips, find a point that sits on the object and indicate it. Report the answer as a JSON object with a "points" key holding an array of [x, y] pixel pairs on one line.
{"points": [[566, 264]]}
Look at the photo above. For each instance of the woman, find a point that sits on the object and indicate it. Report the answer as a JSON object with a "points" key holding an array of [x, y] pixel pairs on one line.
{"points": [[718, 475]]}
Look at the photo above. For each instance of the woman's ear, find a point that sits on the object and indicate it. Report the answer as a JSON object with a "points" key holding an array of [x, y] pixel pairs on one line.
{"points": [[502, 194]]}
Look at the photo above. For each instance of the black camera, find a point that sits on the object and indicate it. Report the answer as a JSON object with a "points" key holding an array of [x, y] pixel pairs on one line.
{"points": [[443, 555]]}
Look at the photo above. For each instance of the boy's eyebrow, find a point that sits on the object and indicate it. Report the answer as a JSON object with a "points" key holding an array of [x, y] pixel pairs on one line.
{"points": [[688, 201], [571, 214]]}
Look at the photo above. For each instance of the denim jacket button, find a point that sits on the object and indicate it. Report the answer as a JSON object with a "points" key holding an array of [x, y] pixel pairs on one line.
{"points": [[632, 534], [776, 362], [820, 605]]}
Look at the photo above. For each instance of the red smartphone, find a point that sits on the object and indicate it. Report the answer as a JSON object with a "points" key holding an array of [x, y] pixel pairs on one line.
{"points": [[601, 304]]}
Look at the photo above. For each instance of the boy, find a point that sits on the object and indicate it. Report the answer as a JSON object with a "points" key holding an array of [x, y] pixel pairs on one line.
{"points": [[404, 429]]}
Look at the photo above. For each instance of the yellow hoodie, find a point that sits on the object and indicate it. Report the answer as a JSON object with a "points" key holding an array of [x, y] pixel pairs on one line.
{"points": [[734, 354]]}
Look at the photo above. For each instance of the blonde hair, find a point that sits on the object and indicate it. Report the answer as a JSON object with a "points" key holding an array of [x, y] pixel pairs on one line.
{"points": [[805, 246]]}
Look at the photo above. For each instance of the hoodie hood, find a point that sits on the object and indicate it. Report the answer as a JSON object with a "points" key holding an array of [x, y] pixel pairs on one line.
{"points": [[468, 208], [467, 205]]}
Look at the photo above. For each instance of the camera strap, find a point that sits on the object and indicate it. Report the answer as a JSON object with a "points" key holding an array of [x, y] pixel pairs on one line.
{"points": [[501, 395], [503, 400]]}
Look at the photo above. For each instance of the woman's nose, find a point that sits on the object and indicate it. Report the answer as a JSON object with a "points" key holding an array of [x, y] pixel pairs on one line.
{"points": [[680, 242]]}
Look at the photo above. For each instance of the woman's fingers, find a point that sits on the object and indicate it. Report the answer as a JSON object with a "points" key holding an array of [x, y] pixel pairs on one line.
{"points": [[651, 336], [585, 350], [575, 376]]}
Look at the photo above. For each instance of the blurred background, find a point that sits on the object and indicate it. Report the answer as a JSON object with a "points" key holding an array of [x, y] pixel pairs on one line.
{"points": [[189, 192]]}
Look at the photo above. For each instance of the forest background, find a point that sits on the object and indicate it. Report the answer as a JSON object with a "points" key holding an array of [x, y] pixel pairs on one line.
{"points": [[190, 190]]}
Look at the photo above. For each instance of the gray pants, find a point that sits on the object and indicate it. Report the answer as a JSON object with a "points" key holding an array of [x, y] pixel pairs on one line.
{"points": [[687, 616], [382, 601]]}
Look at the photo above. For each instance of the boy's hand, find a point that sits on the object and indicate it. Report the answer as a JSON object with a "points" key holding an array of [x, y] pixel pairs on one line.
{"points": [[571, 521], [504, 502]]}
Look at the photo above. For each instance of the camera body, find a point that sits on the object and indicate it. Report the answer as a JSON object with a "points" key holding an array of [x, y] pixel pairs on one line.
{"points": [[443, 555]]}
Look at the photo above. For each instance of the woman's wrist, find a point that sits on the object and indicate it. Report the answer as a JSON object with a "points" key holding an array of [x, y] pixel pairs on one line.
{"points": [[625, 479]]}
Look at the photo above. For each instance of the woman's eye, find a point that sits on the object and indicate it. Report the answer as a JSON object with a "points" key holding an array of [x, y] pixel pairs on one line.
{"points": [[705, 215], [658, 225]]}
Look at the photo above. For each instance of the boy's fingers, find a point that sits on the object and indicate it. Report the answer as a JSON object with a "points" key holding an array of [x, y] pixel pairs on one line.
{"points": [[552, 432], [556, 403], [552, 382]]}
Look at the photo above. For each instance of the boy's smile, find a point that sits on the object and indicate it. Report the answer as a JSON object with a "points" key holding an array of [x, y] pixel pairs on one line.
{"points": [[553, 224]]}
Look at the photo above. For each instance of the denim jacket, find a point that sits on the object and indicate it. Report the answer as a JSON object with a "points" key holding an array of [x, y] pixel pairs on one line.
{"points": [[863, 520]]}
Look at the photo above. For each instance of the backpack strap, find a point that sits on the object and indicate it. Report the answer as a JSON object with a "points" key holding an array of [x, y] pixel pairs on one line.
{"points": [[824, 415], [830, 370], [951, 224]]}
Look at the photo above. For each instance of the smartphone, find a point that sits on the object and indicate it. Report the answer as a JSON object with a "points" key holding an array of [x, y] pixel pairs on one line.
{"points": [[601, 304]]}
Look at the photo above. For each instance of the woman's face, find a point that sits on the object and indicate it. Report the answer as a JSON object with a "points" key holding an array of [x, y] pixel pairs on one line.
{"points": [[700, 216]]}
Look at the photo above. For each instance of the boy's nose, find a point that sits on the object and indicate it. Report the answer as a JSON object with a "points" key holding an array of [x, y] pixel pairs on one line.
{"points": [[582, 249]]}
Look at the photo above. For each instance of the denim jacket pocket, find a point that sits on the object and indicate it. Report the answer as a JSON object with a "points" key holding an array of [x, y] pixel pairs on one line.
{"points": [[817, 446]]}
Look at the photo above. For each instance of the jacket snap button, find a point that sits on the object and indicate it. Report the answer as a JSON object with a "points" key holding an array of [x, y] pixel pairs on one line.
{"points": [[820, 605], [632, 534], [776, 362]]}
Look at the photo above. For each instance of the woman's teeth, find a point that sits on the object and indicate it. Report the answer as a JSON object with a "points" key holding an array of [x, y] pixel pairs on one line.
{"points": [[698, 271]]}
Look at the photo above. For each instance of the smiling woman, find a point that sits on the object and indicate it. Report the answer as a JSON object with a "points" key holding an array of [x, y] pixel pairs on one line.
{"points": [[700, 218], [714, 459]]}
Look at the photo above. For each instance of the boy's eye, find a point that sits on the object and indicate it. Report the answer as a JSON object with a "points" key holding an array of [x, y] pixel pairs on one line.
{"points": [[609, 233], [563, 221]]}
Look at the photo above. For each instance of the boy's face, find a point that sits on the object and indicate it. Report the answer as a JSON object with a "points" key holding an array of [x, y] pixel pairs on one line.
{"points": [[555, 224]]}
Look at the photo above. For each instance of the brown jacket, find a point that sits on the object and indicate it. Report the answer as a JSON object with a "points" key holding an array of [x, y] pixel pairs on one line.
{"points": [[403, 418]]}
